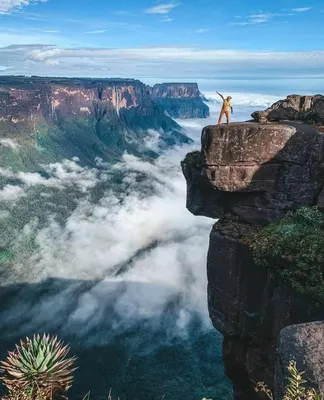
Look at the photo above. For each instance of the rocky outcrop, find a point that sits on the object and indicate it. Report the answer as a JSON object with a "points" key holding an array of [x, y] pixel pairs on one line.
{"points": [[55, 118], [247, 175], [254, 173], [309, 109], [304, 344], [180, 100]]}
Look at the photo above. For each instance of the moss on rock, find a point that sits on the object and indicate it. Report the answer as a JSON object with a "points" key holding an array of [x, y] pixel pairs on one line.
{"points": [[293, 251]]}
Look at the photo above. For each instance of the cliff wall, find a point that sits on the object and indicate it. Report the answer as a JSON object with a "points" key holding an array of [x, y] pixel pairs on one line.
{"points": [[180, 100], [248, 175], [55, 118]]}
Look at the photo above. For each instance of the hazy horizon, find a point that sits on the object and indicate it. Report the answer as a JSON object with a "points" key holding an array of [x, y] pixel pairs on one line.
{"points": [[272, 86]]}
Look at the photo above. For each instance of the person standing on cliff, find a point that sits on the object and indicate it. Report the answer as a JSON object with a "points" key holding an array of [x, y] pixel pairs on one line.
{"points": [[227, 106]]}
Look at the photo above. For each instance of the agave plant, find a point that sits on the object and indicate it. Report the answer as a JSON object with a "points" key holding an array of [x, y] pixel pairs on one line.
{"points": [[39, 368]]}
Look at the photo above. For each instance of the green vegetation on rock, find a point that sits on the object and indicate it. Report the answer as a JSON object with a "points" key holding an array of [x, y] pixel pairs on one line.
{"points": [[295, 389], [293, 251]]}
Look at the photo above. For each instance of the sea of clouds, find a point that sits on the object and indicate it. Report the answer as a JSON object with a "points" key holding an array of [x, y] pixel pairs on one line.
{"points": [[141, 234]]}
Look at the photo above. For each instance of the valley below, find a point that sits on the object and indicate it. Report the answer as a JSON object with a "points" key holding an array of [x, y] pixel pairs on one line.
{"points": [[96, 245]]}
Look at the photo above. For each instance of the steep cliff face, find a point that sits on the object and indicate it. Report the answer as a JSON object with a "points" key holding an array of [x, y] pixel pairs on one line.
{"points": [[248, 175], [180, 100], [302, 108], [51, 118], [176, 90]]}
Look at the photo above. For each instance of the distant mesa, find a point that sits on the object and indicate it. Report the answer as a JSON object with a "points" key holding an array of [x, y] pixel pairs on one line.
{"points": [[56, 118], [180, 100]]}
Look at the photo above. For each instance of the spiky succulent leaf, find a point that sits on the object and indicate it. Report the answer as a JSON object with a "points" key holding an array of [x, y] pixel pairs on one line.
{"points": [[39, 364]]}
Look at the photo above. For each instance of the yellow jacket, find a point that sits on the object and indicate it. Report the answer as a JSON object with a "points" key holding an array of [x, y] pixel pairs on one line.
{"points": [[226, 105]]}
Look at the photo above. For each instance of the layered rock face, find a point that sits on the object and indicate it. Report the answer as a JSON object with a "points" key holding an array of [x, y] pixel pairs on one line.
{"points": [[180, 100], [247, 175], [24, 99], [86, 118], [309, 109]]}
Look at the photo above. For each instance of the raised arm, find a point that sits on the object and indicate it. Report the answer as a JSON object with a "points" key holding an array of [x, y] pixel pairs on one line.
{"points": [[220, 95]]}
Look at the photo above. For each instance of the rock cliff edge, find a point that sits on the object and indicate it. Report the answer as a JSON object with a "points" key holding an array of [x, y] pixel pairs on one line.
{"points": [[248, 175]]}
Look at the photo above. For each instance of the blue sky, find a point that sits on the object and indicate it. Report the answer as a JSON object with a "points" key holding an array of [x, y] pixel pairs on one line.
{"points": [[232, 39]]}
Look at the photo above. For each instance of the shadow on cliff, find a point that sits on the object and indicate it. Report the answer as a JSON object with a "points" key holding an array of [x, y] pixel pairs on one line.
{"points": [[139, 356]]}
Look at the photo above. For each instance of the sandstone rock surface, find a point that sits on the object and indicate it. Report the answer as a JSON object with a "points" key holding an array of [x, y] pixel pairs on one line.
{"points": [[255, 172], [293, 108]]}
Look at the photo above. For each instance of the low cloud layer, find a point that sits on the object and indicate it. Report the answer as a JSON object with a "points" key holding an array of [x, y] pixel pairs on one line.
{"points": [[135, 253], [11, 192], [61, 175], [139, 250], [126, 268]]}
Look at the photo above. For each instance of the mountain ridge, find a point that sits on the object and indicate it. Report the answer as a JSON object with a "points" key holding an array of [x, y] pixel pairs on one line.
{"points": [[48, 119]]}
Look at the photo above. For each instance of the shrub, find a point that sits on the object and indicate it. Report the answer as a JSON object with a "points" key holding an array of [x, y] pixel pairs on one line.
{"points": [[295, 389], [293, 251], [37, 369]]}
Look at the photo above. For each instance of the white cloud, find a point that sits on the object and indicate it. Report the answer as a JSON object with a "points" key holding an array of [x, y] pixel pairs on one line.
{"points": [[62, 175], [52, 31], [6, 142], [136, 251], [161, 9], [171, 54], [266, 17], [159, 62], [258, 18], [301, 9], [152, 140], [203, 30], [96, 32], [262, 15], [10, 192], [167, 20], [6, 6]]}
